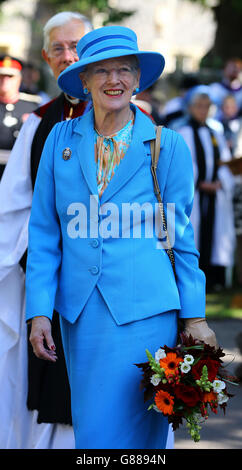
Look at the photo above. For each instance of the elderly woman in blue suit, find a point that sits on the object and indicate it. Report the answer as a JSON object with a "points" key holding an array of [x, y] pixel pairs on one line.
{"points": [[94, 252]]}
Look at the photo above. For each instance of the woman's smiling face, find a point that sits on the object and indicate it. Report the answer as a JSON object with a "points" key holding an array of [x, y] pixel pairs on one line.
{"points": [[112, 82]]}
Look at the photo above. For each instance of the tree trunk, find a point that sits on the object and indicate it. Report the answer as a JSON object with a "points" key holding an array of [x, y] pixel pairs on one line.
{"points": [[228, 39]]}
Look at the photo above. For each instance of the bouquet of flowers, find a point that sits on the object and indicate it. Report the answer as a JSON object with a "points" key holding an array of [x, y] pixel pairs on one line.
{"points": [[185, 382]]}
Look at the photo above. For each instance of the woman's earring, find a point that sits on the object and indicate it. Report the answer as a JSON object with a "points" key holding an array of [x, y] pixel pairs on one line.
{"points": [[136, 90], [85, 91]]}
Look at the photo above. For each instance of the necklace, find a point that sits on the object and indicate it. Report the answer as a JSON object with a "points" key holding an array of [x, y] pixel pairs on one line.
{"points": [[130, 116], [72, 102]]}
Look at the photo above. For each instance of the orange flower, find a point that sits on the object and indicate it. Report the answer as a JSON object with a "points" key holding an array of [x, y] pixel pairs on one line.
{"points": [[170, 363], [209, 397], [164, 401]]}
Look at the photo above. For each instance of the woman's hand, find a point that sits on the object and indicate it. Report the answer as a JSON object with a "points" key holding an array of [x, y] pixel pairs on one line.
{"points": [[199, 329], [40, 333]]}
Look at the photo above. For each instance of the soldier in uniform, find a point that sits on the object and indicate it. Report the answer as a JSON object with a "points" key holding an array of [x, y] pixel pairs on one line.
{"points": [[14, 105]]}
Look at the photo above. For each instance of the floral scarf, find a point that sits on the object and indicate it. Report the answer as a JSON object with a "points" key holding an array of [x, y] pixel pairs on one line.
{"points": [[109, 151]]}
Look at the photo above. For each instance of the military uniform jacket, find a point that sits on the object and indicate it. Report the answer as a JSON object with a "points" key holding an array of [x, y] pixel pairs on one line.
{"points": [[12, 118]]}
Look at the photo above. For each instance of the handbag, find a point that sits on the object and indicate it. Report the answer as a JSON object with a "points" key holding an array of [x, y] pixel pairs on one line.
{"points": [[155, 153]]}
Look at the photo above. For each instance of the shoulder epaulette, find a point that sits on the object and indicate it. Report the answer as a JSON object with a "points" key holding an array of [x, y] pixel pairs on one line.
{"points": [[29, 97]]}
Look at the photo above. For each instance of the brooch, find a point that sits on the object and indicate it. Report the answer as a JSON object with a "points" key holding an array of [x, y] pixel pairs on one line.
{"points": [[66, 154]]}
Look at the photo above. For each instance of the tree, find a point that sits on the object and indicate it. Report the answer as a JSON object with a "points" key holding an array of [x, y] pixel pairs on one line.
{"points": [[90, 8], [228, 39]]}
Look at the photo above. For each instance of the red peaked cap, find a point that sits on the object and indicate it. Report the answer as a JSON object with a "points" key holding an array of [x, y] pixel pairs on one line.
{"points": [[10, 65]]}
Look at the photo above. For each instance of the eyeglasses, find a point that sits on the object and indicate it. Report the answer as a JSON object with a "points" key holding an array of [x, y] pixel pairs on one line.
{"points": [[57, 51], [122, 72]]}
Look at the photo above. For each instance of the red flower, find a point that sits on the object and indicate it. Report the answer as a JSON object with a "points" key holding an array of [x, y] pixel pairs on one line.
{"points": [[209, 397], [170, 363], [212, 366], [189, 395], [164, 401]]}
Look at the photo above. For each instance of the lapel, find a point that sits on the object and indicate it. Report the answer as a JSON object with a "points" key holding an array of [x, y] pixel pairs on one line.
{"points": [[84, 126], [143, 131]]}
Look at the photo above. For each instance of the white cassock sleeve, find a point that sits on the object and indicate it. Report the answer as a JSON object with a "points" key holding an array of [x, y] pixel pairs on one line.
{"points": [[224, 174], [15, 205], [19, 428], [224, 234]]}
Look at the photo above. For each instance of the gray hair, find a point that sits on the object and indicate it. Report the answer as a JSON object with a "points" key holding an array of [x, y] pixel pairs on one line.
{"points": [[198, 96], [133, 59], [59, 20], [135, 63]]}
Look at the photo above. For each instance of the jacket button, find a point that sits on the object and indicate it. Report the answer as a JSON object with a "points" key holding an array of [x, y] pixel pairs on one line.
{"points": [[95, 243], [94, 269]]}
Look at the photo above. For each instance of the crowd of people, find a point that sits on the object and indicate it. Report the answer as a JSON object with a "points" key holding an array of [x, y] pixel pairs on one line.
{"points": [[209, 117], [36, 399]]}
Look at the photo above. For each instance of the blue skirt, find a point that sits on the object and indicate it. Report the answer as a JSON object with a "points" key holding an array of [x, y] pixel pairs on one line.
{"points": [[108, 408]]}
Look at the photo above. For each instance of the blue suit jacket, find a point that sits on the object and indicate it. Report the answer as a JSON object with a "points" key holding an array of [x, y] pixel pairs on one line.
{"points": [[70, 250]]}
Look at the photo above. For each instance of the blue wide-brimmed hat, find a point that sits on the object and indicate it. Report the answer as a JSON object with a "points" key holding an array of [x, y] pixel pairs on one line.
{"points": [[110, 42]]}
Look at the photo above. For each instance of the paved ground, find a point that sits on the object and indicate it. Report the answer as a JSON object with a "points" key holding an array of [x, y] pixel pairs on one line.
{"points": [[221, 432]]}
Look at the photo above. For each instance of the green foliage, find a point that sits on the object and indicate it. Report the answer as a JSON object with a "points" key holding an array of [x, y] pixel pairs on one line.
{"points": [[82, 5], [193, 425], [202, 2], [153, 364], [90, 7], [204, 383], [117, 16], [234, 4], [221, 305]]}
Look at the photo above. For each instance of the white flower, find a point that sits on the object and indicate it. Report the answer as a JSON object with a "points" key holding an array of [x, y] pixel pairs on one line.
{"points": [[188, 359], [222, 398], [160, 354], [185, 368], [155, 379], [218, 385]]}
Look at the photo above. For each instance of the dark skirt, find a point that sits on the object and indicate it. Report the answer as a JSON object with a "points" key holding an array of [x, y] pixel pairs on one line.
{"points": [[48, 385]]}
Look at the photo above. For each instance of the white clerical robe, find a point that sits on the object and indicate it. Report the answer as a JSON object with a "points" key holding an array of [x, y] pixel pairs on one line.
{"points": [[19, 428], [223, 242]]}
